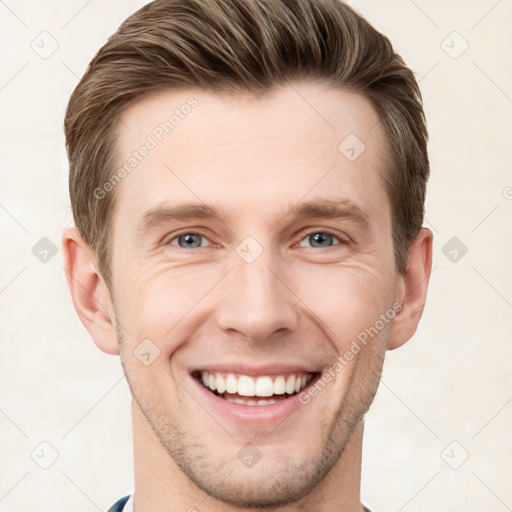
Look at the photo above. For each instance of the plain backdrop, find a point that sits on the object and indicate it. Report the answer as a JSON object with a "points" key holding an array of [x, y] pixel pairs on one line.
{"points": [[438, 436]]}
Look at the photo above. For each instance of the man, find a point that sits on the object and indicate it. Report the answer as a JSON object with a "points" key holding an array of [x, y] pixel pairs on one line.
{"points": [[248, 181]]}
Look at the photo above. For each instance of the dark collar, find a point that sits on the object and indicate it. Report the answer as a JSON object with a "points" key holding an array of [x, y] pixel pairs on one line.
{"points": [[118, 506]]}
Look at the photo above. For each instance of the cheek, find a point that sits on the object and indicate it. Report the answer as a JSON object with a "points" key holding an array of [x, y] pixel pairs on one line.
{"points": [[154, 303], [346, 299], [342, 299]]}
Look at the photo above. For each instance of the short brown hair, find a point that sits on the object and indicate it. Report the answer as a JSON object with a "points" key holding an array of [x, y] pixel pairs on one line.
{"points": [[242, 46]]}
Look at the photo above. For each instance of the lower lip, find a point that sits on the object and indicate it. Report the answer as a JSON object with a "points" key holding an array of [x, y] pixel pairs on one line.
{"points": [[256, 414]]}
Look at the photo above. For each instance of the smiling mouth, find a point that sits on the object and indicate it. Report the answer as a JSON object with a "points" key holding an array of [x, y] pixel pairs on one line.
{"points": [[247, 390]]}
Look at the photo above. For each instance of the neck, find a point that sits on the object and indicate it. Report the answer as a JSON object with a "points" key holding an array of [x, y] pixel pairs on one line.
{"points": [[161, 486]]}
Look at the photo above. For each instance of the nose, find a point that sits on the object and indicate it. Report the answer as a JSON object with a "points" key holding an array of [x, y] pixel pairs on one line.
{"points": [[257, 303]]}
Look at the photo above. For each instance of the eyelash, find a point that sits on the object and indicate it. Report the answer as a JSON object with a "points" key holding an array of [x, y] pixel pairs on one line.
{"points": [[304, 236]]}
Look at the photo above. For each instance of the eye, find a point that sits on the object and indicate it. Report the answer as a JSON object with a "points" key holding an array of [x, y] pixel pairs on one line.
{"points": [[317, 239], [188, 240], [321, 239]]}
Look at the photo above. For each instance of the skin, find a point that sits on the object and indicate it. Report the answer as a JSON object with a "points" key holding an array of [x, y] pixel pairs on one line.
{"points": [[298, 302]]}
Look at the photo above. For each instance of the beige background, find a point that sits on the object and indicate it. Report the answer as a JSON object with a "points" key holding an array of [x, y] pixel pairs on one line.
{"points": [[445, 395]]}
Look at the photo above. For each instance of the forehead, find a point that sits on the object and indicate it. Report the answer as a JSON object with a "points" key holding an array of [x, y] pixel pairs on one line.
{"points": [[240, 151]]}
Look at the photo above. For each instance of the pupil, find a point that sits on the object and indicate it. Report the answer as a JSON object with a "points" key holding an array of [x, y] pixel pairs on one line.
{"points": [[320, 237], [189, 240]]}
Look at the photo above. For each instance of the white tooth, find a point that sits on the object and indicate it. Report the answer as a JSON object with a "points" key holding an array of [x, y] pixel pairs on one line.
{"points": [[246, 386], [279, 386], [220, 384], [297, 384], [290, 384], [302, 382], [239, 401], [251, 402], [262, 402], [272, 401], [231, 383], [234, 400], [211, 382], [264, 386], [204, 378]]}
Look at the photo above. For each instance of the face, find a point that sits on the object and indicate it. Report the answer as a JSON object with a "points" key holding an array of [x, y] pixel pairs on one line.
{"points": [[250, 251]]}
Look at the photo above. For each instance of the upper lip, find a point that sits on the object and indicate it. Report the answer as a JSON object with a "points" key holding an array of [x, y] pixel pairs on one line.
{"points": [[254, 371]]}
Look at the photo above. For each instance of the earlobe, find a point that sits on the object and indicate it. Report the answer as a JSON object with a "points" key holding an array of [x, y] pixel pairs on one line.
{"points": [[89, 292], [413, 289]]}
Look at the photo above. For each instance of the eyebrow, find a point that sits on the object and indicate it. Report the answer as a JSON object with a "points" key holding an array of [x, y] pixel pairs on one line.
{"points": [[318, 209], [332, 209], [167, 213]]}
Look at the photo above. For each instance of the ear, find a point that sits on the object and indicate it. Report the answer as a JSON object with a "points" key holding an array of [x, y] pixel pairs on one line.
{"points": [[412, 289], [89, 292]]}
